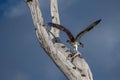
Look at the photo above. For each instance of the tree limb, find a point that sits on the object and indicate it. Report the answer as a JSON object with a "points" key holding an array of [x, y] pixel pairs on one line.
{"points": [[55, 17], [73, 69]]}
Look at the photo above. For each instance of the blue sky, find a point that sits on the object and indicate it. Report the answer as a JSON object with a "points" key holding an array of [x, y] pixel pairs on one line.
{"points": [[22, 58]]}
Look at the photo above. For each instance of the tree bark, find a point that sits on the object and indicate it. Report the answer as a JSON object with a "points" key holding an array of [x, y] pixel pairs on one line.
{"points": [[73, 68], [55, 17]]}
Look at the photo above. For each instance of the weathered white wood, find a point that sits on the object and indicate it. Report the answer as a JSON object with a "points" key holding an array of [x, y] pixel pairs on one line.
{"points": [[55, 17], [74, 69]]}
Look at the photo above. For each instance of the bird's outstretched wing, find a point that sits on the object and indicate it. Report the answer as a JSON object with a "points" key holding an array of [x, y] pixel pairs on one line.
{"points": [[60, 27], [91, 26]]}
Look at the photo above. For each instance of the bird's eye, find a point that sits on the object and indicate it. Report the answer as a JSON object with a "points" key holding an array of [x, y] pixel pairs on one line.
{"points": [[81, 44]]}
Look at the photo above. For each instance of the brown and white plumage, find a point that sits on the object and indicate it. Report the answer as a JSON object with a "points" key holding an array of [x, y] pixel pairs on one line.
{"points": [[91, 26], [74, 41]]}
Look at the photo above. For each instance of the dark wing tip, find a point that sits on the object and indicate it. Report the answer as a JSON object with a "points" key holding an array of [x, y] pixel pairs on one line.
{"points": [[98, 21], [50, 24]]}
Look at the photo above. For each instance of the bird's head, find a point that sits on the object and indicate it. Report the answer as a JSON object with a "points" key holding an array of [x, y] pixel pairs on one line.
{"points": [[81, 44]]}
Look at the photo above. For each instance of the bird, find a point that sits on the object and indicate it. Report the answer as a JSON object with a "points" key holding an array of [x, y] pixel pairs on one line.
{"points": [[74, 41]]}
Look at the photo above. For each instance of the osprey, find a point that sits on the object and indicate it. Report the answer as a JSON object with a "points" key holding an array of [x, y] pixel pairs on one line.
{"points": [[74, 41]]}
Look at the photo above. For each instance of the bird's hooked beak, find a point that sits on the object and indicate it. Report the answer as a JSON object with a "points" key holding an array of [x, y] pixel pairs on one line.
{"points": [[81, 44]]}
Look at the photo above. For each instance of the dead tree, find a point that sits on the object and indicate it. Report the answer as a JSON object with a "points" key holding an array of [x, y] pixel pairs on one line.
{"points": [[73, 68]]}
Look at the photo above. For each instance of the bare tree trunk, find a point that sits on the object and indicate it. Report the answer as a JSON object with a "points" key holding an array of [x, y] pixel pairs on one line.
{"points": [[55, 17], [73, 69]]}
